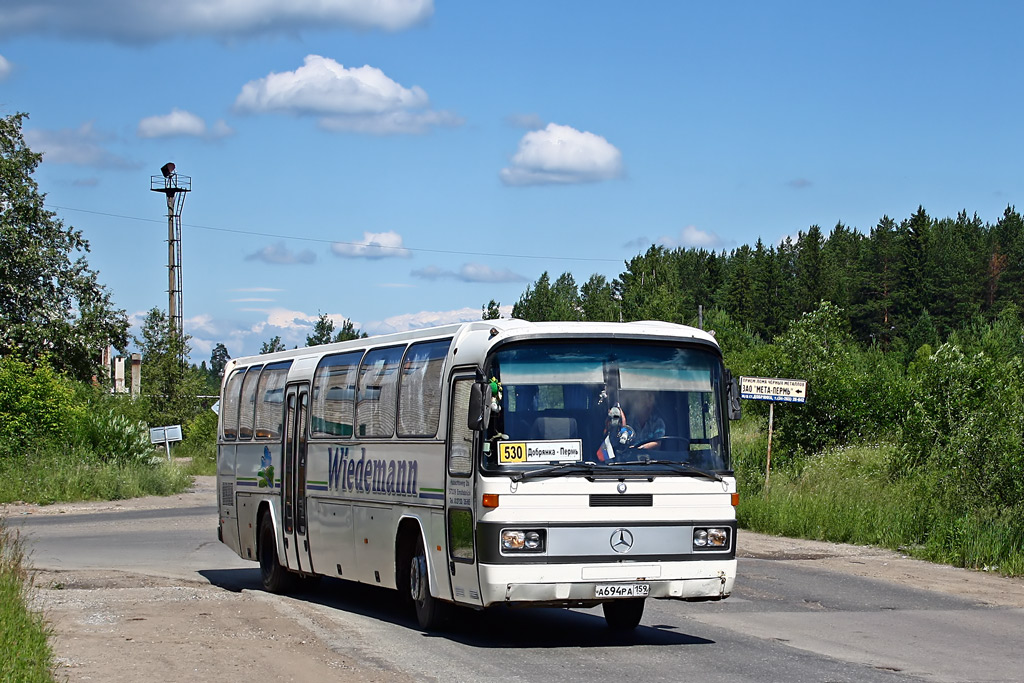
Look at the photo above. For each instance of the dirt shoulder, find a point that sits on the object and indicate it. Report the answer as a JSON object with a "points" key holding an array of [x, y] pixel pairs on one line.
{"points": [[110, 626]]}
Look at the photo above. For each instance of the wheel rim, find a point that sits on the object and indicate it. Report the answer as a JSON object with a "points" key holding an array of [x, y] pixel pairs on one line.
{"points": [[418, 577]]}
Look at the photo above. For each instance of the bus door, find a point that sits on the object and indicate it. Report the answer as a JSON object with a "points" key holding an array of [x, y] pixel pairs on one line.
{"points": [[293, 484], [460, 496]]}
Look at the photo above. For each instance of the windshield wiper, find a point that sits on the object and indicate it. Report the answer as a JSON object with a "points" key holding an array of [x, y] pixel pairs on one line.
{"points": [[683, 468], [556, 471]]}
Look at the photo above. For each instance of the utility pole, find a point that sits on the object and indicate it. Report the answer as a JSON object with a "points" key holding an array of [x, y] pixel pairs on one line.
{"points": [[175, 187]]}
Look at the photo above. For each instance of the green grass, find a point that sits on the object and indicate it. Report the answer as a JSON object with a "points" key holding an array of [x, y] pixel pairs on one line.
{"points": [[25, 654], [48, 476], [846, 495]]}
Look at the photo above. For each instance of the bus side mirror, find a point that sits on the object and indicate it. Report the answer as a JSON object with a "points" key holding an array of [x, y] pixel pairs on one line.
{"points": [[735, 411], [479, 406]]}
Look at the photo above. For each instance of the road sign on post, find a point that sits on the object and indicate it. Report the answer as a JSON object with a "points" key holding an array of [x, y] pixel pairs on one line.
{"points": [[165, 436], [772, 389]]}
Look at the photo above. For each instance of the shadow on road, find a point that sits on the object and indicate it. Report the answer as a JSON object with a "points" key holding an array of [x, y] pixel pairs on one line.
{"points": [[498, 626]]}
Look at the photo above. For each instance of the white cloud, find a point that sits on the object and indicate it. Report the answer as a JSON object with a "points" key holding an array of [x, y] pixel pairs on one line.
{"points": [[391, 123], [138, 22], [279, 254], [374, 245], [292, 326], [469, 272], [415, 321], [5, 68], [358, 99], [181, 123], [562, 155], [82, 146], [178, 122], [692, 236]]}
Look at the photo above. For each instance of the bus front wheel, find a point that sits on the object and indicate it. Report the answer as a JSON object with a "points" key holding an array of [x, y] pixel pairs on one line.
{"points": [[429, 610], [624, 614], [275, 578]]}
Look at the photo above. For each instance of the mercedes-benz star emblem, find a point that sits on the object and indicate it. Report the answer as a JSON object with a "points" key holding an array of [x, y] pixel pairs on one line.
{"points": [[621, 488], [621, 540]]}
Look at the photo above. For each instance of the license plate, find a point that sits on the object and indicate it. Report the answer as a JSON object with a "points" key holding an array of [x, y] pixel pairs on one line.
{"points": [[622, 590]]}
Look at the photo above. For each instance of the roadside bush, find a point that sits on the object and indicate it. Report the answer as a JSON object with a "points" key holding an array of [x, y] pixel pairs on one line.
{"points": [[34, 403], [115, 438], [966, 425], [853, 396]]}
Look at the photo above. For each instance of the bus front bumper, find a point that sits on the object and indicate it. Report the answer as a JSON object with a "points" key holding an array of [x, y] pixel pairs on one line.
{"points": [[587, 585]]}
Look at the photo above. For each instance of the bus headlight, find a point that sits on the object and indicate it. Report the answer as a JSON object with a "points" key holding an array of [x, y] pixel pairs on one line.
{"points": [[712, 538], [527, 540]]}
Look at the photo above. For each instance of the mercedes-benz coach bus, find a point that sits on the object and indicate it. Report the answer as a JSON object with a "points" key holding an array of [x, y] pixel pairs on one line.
{"points": [[492, 462]]}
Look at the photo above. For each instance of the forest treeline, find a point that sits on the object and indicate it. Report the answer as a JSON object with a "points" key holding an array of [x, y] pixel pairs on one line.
{"points": [[903, 283]]}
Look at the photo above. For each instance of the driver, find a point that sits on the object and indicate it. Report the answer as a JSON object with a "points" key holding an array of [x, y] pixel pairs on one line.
{"points": [[646, 425]]}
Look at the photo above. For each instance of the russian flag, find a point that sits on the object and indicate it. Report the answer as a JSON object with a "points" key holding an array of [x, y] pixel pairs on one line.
{"points": [[605, 452]]}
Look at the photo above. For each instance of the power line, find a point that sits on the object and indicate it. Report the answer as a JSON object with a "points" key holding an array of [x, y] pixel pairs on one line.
{"points": [[354, 244]]}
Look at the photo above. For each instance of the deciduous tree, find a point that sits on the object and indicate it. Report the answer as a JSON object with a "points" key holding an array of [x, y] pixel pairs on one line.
{"points": [[51, 302]]}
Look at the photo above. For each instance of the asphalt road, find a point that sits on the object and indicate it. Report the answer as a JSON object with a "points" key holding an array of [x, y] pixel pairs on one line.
{"points": [[787, 620]]}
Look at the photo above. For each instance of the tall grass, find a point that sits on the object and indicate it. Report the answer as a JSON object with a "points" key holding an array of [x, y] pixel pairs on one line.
{"points": [[846, 495], [25, 654], [47, 474]]}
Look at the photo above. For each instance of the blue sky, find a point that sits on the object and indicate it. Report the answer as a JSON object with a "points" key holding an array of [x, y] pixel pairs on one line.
{"points": [[402, 162]]}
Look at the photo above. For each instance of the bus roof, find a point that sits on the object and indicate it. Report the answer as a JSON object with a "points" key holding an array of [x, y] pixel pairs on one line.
{"points": [[496, 331]]}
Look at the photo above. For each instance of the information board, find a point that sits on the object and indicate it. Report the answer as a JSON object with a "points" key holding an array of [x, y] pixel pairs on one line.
{"points": [[773, 389]]}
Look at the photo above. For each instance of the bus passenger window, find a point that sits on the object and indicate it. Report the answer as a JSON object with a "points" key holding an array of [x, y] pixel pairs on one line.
{"points": [[334, 395], [419, 395], [377, 400], [246, 408], [270, 401], [229, 406]]}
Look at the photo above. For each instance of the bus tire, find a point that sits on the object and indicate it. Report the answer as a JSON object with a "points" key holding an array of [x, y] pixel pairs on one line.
{"points": [[624, 614], [275, 578], [429, 610]]}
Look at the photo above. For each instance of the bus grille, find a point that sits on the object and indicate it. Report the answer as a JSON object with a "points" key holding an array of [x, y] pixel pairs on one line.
{"points": [[227, 493], [609, 500]]}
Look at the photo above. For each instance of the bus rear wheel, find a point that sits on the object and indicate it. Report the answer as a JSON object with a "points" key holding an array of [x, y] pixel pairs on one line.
{"points": [[275, 578], [429, 610], [624, 614]]}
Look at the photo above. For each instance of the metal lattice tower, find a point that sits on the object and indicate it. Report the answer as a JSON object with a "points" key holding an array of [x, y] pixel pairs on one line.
{"points": [[175, 187]]}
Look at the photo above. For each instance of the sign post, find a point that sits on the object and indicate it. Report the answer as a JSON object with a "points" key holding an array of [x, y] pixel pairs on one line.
{"points": [[165, 436], [774, 390]]}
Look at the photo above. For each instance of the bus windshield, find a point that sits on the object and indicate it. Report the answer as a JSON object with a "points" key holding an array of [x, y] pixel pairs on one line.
{"points": [[607, 405]]}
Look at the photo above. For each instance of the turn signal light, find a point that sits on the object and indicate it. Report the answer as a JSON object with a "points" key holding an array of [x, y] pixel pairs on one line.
{"points": [[490, 500]]}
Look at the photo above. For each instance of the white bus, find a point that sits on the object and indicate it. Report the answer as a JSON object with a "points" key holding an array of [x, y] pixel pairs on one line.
{"points": [[492, 462]]}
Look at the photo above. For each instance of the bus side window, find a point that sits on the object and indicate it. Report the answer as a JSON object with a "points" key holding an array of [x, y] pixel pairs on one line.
{"points": [[270, 401], [229, 406], [334, 395], [247, 405], [419, 393], [377, 400]]}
